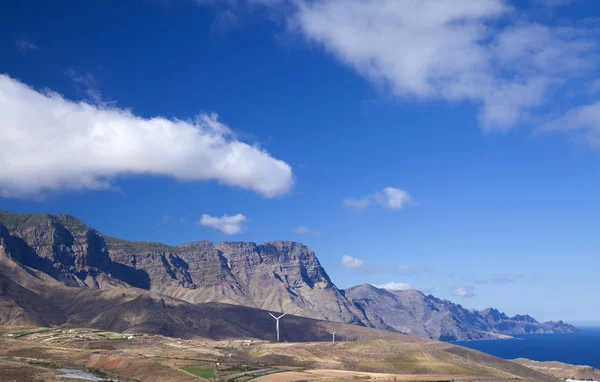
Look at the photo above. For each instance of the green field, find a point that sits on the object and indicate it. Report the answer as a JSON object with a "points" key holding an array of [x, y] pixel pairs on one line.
{"points": [[200, 371]]}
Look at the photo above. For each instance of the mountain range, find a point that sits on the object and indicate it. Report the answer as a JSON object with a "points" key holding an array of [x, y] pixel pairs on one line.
{"points": [[49, 261]]}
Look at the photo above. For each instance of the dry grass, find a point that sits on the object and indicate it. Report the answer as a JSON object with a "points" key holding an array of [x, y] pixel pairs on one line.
{"points": [[157, 358]]}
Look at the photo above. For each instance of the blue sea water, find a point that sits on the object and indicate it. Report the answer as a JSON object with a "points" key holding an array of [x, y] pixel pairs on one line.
{"points": [[578, 349]]}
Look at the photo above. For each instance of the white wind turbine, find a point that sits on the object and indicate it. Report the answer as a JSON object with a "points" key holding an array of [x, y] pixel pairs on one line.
{"points": [[333, 334], [277, 325]]}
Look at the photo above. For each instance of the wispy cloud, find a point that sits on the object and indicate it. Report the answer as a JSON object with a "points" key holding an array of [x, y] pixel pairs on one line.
{"points": [[55, 144], [582, 121], [87, 83], [351, 262], [394, 286], [302, 230], [229, 225], [453, 51], [25, 46], [465, 291], [390, 198], [492, 53]]}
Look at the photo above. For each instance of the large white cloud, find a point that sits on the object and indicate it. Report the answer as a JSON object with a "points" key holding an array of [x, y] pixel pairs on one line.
{"points": [[229, 225], [50, 143], [459, 50]]}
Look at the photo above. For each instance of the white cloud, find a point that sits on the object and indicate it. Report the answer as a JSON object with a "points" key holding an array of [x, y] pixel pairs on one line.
{"points": [[465, 291], [452, 50], [351, 262], [394, 286], [357, 204], [390, 198], [229, 225], [51, 144]]}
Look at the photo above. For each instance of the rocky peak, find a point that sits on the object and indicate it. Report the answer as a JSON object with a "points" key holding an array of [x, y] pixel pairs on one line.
{"points": [[493, 315], [524, 318]]}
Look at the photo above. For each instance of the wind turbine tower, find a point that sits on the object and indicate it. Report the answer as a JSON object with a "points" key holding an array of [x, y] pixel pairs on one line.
{"points": [[277, 323], [333, 334]]}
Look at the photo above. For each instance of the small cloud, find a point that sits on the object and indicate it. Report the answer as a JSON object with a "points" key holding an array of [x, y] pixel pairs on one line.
{"points": [[390, 198], [229, 225], [351, 262], [406, 269], [465, 291], [357, 204], [394, 286], [302, 230], [25, 46]]}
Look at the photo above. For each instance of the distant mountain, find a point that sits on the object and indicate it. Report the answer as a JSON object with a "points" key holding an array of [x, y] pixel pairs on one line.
{"points": [[413, 312], [277, 276]]}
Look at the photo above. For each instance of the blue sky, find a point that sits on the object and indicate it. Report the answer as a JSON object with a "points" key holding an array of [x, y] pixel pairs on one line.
{"points": [[479, 119]]}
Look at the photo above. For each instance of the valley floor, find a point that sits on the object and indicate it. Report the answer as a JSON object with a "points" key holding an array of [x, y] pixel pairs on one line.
{"points": [[37, 354]]}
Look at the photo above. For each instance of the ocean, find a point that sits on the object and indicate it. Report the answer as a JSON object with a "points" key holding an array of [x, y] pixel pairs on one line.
{"points": [[578, 349]]}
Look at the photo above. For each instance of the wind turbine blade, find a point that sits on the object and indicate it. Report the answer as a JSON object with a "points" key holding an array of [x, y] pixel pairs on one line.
{"points": [[270, 314], [281, 316]]}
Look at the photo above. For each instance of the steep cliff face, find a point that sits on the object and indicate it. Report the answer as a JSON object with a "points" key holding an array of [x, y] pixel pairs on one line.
{"points": [[413, 312], [279, 276], [287, 276]]}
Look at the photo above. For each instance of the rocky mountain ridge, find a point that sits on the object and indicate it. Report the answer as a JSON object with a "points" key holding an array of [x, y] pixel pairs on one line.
{"points": [[413, 312], [278, 276]]}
